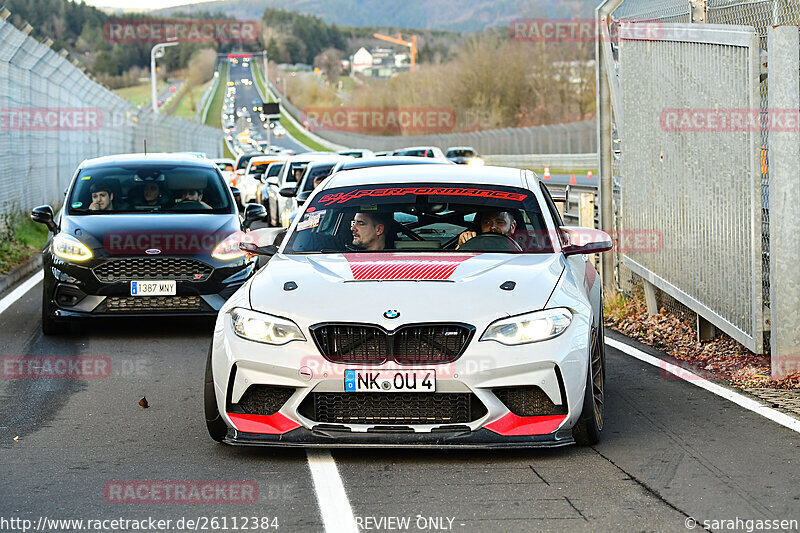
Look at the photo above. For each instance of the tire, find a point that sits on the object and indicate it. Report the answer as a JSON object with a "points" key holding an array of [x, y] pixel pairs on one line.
{"points": [[51, 326], [217, 428], [590, 424]]}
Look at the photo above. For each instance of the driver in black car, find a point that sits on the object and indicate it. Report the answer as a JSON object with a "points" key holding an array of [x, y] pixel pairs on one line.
{"points": [[498, 221], [194, 195]]}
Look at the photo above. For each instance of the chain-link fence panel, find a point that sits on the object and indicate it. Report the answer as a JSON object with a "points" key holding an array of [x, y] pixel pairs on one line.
{"points": [[53, 116]]}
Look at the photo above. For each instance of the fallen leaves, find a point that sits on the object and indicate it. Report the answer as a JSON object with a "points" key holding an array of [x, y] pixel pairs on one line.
{"points": [[143, 403], [721, 359]]}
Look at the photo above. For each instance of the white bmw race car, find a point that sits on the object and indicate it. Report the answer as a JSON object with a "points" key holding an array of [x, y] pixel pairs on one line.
{"points": [[431, 305]]}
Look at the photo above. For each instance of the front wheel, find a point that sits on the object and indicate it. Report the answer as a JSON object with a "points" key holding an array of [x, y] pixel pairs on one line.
{"points": [[217, 428], [587, 431]]}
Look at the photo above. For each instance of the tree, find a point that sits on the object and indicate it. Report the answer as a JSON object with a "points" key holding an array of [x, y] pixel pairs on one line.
{"points": [[329, 61]]}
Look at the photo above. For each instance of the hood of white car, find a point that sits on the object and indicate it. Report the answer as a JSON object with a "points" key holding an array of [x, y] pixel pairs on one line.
{"points": [[362, 287]]}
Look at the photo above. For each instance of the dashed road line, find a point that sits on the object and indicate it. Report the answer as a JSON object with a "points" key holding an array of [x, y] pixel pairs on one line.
{"points": [[337, 515]]}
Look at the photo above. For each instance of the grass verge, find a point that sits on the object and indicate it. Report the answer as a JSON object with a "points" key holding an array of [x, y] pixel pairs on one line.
{"points": [[140, 95], [293, 130], [22, 238]]}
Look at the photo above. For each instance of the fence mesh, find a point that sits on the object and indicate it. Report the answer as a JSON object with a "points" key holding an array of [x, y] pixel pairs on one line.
{"points": [[760, 14], [46, 107]]}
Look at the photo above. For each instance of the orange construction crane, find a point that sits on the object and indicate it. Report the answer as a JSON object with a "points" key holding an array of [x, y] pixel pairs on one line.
{"points": [[412, 45]]}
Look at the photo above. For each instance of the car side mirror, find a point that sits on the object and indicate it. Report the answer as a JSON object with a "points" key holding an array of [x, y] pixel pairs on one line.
{"points": [[287, 192], [303, 196], [272, 180], [237, 194], [253, 248], [240, 172], [254, 213], [44, 215], [585, 240]]}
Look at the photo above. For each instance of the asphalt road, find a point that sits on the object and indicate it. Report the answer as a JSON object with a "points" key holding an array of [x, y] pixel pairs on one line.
{"points": [[670, 450], [245, 94]]}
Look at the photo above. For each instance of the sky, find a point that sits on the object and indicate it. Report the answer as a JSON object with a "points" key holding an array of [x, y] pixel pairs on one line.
{"points": [[141, 4]]}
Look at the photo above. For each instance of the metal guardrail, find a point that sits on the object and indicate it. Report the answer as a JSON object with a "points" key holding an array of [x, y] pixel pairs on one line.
{"points": [[563, 161]]}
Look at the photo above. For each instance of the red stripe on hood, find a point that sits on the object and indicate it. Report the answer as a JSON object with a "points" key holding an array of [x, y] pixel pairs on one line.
{"points": [[397, 266]]}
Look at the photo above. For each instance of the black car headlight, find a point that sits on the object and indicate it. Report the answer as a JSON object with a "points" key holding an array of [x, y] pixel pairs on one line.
{"points": [[530, 327], [68, 247], [261, 327]]}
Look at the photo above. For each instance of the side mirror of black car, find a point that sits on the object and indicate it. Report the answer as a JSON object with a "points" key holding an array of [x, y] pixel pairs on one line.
{"points": [[253, 248], [303, 196], [254, 213], [287, 192], [237, 194], [44, 215]]}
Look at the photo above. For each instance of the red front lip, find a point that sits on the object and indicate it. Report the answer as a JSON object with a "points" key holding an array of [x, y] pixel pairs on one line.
{"points": [[276, 424], [512, 425]]}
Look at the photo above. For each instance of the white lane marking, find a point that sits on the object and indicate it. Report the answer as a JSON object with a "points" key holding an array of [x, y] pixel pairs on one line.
{"points": [[337, 515], [735, 397], [20, 291]]}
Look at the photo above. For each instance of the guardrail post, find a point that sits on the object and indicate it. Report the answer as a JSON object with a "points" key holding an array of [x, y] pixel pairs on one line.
{"points": [[784, 201], [650, 297]]}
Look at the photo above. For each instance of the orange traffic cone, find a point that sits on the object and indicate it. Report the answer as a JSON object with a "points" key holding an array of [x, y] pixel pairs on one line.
{"points": [[589, 176], [546, 172], [572, 180]]}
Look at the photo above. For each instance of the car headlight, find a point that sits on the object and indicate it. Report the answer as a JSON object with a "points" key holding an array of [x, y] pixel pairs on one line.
{"points": [[68, 247], [530, 327], [261, 327], [476, 161], [229, 248]]}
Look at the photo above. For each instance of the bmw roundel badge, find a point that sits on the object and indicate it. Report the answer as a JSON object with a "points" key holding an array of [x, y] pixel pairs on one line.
{"points": [[392, 313]]}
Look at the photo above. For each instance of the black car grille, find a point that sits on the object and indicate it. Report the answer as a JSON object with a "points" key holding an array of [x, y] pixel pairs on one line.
{"points": [[392, 408], [528, 401], [408, 345], [264, 399], [135, 304], [152, 268]]}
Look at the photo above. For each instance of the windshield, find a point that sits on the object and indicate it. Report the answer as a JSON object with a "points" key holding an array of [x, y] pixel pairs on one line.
{"points": [[460, 153], [316, 172], [422, 218], [163, 188], [422, 152], [274, 169]]}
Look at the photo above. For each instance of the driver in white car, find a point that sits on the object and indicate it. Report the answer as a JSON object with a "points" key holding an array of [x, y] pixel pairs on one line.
{"points": [[500, 222], [369, 231]]}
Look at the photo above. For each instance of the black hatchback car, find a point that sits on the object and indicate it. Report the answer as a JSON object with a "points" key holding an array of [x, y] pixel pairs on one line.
{"points": [[141, 234]]}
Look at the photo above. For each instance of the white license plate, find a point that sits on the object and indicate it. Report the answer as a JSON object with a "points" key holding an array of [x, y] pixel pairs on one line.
{"points": [[390, 381], [153, 288]]}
